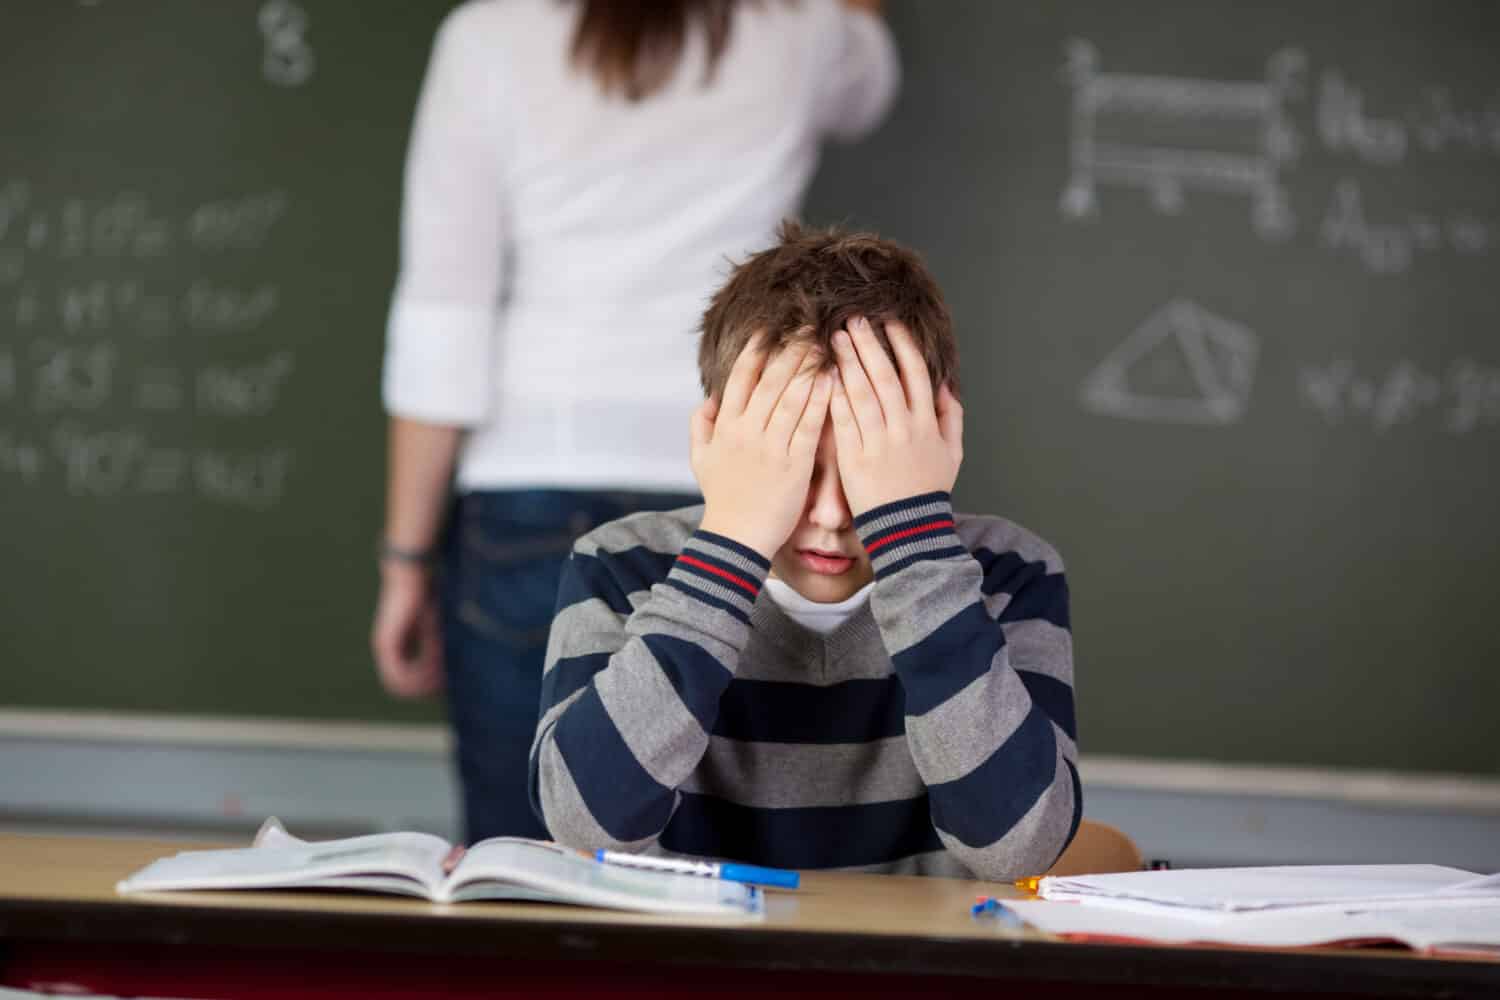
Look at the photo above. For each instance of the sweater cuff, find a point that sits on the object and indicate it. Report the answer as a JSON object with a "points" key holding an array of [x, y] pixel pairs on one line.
{"points": [[916, 529], [721, 572], [437, 362]]}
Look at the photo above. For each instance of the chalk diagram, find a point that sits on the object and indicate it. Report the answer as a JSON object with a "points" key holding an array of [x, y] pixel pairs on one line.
{"points": [[1167, 134], [1183, 365]]}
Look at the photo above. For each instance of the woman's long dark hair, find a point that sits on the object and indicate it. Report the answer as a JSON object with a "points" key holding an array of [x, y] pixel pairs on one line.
{"points": [[632, 47]]}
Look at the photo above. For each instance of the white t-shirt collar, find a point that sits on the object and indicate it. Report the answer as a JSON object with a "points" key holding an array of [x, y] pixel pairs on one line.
{"points": [[820, 618]]}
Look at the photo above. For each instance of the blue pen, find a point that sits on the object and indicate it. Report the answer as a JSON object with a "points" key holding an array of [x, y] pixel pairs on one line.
{"points": [[989, 906], [777, 878]]}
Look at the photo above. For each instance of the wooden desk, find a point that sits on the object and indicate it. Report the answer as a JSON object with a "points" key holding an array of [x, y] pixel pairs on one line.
{"points": [[61, 921]]}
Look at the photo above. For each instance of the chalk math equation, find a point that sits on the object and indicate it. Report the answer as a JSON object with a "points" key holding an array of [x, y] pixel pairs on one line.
{"points": [[121, 342], [1175, 138]]}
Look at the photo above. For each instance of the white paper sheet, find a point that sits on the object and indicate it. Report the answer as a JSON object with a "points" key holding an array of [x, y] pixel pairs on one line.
{"points": [[1244, 889], [1460, 928]]}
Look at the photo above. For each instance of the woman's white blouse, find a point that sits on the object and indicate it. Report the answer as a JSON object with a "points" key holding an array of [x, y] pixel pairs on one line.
{"points": [[559, 247]]}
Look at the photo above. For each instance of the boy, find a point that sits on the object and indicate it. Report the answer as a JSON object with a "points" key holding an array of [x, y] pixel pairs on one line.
{"points": [[822, 666]]}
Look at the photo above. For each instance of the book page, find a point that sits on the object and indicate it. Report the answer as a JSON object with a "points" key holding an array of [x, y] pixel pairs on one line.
{"points": [[574, 876], [410, 863]]}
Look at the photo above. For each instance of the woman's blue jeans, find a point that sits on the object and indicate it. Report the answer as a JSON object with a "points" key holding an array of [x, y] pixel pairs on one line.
{"points": [[502, 558]]}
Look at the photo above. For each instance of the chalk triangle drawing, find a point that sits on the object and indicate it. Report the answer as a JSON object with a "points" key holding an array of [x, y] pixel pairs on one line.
{"points": [[1183, 365]]}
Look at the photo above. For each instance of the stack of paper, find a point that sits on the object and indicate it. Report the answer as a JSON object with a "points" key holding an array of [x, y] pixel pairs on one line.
{"points": [[1238, 889], [1426, 907]]}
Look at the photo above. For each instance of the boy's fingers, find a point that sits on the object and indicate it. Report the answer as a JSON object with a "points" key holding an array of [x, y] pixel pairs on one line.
{"points": [[744, 375], [950, 415], [914, 375], [793, 402], [863, 402], [845, 429], [774, 379], [810, 427], [883, 375], [701, 424]]}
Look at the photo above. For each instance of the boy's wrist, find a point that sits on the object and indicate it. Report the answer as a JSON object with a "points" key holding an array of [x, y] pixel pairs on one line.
{"points": [[738, 533], [902, 532], [720, 571]]}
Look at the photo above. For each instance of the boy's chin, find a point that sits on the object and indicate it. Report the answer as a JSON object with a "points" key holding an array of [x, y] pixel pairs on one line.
{"points": [[825, 589]]}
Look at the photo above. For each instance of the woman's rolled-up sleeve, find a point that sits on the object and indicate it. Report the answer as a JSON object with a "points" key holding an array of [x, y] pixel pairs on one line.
{"points": [[440, 335]]}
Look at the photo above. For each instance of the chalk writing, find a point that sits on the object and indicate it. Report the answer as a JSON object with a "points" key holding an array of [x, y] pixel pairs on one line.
{"points": [[1433, 125], [249, 390], [1475, 397], [1464, 398], [288, 59], [236, 223], [250, 480], [99, 463], [20, 459], [213, 308], [90, 346], [1389, 247], [121, 461], [72, 376], [1343, 125], [125, 225], [164, 470]]}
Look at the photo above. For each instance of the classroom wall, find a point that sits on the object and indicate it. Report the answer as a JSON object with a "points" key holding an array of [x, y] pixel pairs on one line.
{"points": [[1221, 278]]}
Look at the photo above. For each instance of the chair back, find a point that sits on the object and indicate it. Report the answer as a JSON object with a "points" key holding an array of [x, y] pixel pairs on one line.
{"points": [[1097, 848]]}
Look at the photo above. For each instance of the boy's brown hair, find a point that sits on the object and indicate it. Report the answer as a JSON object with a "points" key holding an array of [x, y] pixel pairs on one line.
{"points": [[809, 285]]}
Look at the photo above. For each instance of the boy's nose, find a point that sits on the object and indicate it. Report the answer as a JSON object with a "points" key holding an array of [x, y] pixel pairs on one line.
{"points": [[828, 507]]}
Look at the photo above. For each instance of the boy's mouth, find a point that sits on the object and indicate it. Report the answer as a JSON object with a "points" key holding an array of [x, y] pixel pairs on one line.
{"points": [[823, 562]]}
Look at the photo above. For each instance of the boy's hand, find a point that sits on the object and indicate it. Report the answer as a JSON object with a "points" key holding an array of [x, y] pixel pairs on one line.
{"points": [[894, 440], [752, 452]]}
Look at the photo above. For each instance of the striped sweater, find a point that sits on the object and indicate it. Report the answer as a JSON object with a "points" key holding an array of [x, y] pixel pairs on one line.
{"points": [[931, 733]]}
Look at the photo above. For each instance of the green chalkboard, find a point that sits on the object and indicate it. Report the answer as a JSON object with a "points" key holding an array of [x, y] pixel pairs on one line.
{"points": [[1225, 280], [198, 225], [1223, 283]]}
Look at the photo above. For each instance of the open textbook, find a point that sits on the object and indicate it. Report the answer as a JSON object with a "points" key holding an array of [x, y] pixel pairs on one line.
{"points": [[411, 864]]}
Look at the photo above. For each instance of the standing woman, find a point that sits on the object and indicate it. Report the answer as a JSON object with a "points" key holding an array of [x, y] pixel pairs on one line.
{"points": [[578, 175]]}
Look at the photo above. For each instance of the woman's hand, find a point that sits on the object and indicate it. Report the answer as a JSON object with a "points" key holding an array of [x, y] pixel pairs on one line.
{"points": [[406, 638]]}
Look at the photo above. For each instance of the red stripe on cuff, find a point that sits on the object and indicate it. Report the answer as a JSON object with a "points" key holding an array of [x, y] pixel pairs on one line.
{"points": [[738, 581], [908, 532]]}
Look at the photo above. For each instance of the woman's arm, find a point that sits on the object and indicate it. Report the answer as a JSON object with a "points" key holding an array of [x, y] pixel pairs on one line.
{"points": [[439, 340], [405, 636]]}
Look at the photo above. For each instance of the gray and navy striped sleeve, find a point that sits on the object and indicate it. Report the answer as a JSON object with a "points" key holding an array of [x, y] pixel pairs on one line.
{"points": [[644, 643], [978, 632]]}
